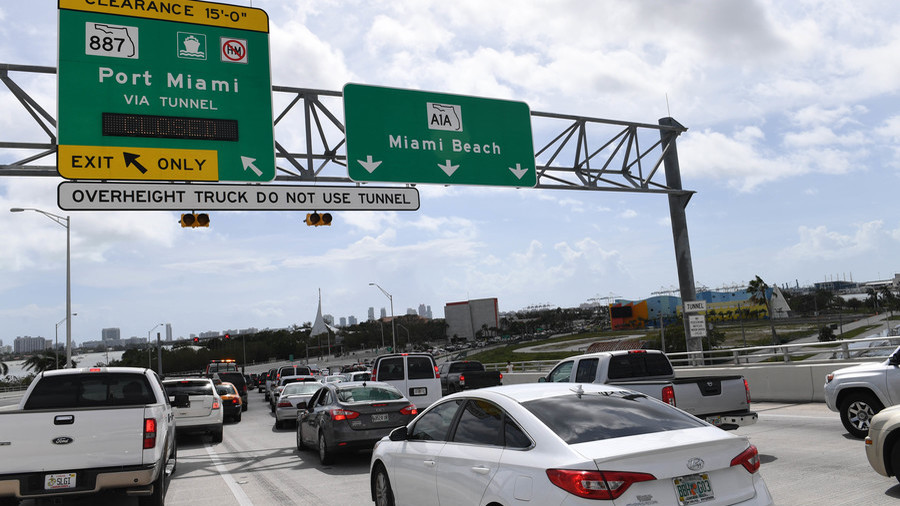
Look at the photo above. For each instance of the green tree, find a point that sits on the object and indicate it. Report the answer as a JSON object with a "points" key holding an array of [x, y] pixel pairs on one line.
{"points": [[757, 290], [4, 369], [874, 297], [826, 334], [45, 360], [888, 299]]}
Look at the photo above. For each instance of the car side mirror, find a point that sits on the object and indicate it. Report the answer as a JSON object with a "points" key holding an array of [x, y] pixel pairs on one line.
{"points": [[542, 379], [399, 434], [182, 401], [895, 359], [301, 405]]}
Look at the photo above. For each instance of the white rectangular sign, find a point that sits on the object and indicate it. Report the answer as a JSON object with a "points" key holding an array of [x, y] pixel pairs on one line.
{"points": [[89, 196], [697, 325], [693, 306]]}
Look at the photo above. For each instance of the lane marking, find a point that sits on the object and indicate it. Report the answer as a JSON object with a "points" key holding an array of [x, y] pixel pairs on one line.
{"points": [[236, 490]]}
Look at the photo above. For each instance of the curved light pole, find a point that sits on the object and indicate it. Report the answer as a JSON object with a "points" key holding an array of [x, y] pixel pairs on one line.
{"points": [[149, 348], [393, 328], [56, 346], [63, 221]]}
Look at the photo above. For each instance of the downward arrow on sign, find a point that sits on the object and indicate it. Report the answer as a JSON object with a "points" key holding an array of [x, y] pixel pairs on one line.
{"points": [[369, 165], [518, 171], [449, 168]]}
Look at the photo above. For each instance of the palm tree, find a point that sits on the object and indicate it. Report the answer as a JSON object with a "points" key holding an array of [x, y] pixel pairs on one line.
{"points": [[757, 290], [888, 299], [873, 297], [4, 369], [43, 361]]}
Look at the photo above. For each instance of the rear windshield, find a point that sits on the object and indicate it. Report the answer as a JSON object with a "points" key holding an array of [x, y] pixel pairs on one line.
{"points": [[420, 368], [296, 370], [368, 393], [301, 388], [234, 378], [226, 390], [595, 416], [639, 365], [466, 367], [189, 387], [90, 390]]}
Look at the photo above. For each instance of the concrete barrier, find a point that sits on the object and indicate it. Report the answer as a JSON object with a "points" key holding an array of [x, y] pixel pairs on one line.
{"points": [[768, 383]]}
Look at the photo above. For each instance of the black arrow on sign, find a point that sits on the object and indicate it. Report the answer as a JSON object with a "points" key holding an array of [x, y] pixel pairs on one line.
{"points": [[131, 159]]}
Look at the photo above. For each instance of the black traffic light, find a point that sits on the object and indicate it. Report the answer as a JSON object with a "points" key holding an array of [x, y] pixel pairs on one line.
{"points": [[318, 220], [194, 220]]}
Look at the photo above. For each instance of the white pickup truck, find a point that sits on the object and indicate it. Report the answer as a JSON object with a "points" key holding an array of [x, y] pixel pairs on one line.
{"points": [[723, 401], [858, 392], [82, 431]]}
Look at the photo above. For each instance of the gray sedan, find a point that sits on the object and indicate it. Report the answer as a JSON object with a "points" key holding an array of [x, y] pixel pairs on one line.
{"points": [[293, 396], [350, 416]]}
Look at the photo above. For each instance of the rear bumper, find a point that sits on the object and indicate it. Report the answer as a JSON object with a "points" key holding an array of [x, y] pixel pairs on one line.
{"points": [[31, 485], [731, 421]]}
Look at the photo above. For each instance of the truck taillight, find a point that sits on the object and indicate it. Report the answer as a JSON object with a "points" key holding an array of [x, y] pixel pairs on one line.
{"points": [[149, 433], [747, 389], [462, 380], [436, 373], [668, 395]]}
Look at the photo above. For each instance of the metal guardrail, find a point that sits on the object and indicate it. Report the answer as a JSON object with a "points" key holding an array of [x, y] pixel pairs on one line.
{"points": [[863, 350]]}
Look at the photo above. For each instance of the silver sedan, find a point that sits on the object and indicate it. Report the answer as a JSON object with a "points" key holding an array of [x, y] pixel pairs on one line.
{"points": [[294, 396]]}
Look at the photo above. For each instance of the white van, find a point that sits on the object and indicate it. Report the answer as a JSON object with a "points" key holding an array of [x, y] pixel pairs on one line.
{"points": [[414, 374]]}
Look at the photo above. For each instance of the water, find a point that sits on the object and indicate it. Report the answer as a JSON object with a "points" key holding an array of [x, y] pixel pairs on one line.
{"points": [[17, 367]]}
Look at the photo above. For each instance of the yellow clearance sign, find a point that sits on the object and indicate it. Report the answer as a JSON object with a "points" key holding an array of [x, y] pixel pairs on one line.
{"points": [[182, 11], [151, 164]]}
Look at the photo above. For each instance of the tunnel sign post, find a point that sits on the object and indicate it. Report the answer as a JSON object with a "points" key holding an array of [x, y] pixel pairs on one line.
{"points": [[167, 91], [409, 136]]}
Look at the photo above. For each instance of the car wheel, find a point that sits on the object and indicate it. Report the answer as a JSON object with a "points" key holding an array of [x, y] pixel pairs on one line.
{"points": [[895, 461], [272, 407], [326, 456], [217, 435], [384, 496], [278, 424], [857, 411], [245, 406], [158, 497], [237, 417]]}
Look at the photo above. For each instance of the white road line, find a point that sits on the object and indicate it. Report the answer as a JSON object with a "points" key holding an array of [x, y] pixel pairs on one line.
{"points": [[236, 490]]}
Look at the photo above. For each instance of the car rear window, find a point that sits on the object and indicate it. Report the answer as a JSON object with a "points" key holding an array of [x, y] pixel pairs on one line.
{"points": [[226, 390], [639, 365], [390, 369], [301, 388], [90, 390], [595, 416], [188, 387], [368, 393], [420, 368]]}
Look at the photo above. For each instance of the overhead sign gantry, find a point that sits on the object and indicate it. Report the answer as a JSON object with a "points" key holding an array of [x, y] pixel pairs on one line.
{"points": [[164, 91]]}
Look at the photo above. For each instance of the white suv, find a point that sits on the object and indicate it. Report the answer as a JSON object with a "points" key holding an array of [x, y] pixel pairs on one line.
{"points": [[414, 374], [196, 405]]}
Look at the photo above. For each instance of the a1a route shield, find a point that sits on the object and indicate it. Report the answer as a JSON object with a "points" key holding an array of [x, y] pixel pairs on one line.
{"points": [[175, 91], [409, 136]]}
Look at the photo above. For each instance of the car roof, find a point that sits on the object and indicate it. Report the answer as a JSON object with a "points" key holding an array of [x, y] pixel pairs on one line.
{"points": [[525, 392], [177, 380]]}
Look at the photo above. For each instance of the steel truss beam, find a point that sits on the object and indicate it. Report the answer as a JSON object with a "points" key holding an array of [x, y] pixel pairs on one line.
{"points": [[572, 152]]}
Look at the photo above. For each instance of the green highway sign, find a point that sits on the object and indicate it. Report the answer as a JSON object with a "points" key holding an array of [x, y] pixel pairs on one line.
{"points": [[408, 136], [178, 90]]}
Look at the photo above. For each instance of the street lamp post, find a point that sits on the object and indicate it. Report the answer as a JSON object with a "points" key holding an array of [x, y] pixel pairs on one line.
{"points": [[63, 221], [56, 342], [150, 348], [393, 327], [407, 334]]}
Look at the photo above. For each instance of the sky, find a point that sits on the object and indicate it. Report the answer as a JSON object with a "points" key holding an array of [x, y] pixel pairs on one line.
{"points": [[791, 150]]}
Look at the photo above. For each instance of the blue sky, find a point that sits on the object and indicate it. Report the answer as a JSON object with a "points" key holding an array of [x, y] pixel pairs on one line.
{"points": [[793, 128]]}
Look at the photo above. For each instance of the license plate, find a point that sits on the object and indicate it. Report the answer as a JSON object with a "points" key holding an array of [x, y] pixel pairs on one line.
{"points": [[59, 481], [419, 391], [693, 489], [379, 418], [715, 420]]}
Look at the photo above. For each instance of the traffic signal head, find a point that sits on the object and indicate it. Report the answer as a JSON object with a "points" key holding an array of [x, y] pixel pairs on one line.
{"points": [[194, 220], [196, 340], [318, 220], [227, 336]]}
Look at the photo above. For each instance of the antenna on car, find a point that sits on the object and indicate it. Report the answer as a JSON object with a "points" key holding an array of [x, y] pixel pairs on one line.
{"points": [[578, 391]]}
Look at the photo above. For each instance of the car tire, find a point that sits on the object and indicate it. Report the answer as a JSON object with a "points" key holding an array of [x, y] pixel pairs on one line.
{"points": [[272, 407], [237, 417], [217, 435], [326, 456], [895, 461], [278, 424], [857, 411], [381, 487], [158, 497], [245, 406]]}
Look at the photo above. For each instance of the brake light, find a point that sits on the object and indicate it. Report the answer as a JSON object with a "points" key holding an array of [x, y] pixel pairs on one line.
{"points": [[436, 373], [595, 484], [409, 410], [637, 351], [747, 389], [462, 380], [343, 414], [149, 433], [749, 458], [216, 405], [668, 395], [374, 373], [94, 369], [284, 404]]}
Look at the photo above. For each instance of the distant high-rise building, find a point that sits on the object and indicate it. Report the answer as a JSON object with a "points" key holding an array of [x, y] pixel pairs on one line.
{"points": [[28, 344], [350, 319], [422, 310], [343, 321], [429, 314], [383, 313], [411, 311], [371, 313], [169, 332], [328, 319], [110, 334]]}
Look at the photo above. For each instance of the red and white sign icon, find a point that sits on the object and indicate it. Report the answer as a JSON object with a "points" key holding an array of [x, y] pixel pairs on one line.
{"points": [[233, 50]]}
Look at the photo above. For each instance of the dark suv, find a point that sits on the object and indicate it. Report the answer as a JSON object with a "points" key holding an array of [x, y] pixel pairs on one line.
{"points": [[236, 379]]}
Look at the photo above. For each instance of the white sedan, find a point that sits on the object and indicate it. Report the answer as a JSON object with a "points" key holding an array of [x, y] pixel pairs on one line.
{"points": [[563, 444], [882, 449]]}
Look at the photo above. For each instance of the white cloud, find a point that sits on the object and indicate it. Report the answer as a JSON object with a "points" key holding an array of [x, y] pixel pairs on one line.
{"points": [[821, 243]]}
